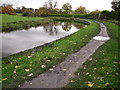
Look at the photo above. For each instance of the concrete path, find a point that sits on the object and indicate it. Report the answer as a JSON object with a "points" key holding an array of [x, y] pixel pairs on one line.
{"points": [[59, 76]]}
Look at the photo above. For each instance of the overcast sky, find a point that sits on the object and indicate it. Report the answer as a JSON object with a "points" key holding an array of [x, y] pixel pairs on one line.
{"points": [[89, 4]]}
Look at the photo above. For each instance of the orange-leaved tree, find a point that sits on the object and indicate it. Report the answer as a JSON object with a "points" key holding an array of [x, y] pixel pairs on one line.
{"points": [[8, 9]]}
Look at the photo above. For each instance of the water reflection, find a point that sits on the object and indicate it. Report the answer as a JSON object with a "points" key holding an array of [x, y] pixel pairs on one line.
{"points": [[67, 26], [20, 40], [78, 26], [51, 28]]}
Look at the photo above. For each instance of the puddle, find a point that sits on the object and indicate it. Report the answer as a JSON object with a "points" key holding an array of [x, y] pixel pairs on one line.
{"points": [[101, 38]]}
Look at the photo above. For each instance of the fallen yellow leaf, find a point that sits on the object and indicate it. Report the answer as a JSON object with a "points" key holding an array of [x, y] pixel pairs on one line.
{"points": [[30, 74], [90, 84], [4, 78], [27, 70], [29, 56], [17, 66]]}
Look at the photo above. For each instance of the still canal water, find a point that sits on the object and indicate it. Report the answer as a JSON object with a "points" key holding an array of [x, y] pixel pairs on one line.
{"points": [[21, 40]]}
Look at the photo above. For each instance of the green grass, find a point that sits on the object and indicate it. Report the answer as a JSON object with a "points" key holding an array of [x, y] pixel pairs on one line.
{"points": [[15, 18], [46, 56], [102, 69], [14, 22]]}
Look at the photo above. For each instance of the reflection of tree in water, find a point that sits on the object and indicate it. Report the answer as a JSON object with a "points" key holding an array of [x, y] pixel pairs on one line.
{"points": [[51, 28], [78, 26], [66, 26]]}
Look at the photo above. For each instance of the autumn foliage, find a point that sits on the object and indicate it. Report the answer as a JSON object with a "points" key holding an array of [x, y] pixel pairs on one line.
{"points": [[42, 12], [8, 9]]}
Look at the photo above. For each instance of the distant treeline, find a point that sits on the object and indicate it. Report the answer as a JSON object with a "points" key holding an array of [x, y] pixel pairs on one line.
{"points": [[105, 14], [65, 11], [109, 15]]}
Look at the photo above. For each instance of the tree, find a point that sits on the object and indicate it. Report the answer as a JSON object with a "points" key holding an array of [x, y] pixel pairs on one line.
{"points": [[115, 5], [8, 9], [23, 8], [51, 28], [67, 8], [50, 4], [18, 10], [66, 26], [27, 12], [42, 12], [105, 14], [80, 10], [95, 14], [56, 11], [4, 4]]}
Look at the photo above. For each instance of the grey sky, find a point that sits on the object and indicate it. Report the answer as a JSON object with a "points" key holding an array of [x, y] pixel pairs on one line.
{"points": [[89, 4]]}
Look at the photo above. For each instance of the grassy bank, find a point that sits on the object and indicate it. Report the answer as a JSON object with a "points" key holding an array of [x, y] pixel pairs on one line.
{"points": [[18, 68], [102, 69], [16, 18], [14, 22]]}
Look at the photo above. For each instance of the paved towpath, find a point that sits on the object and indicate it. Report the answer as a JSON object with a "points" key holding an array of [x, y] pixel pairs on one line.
{"points": [[60, 75]]}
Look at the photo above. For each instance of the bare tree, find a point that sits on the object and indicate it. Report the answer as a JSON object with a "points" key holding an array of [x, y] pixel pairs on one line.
{"points": [[50, 4], [45, 5], [4, 4], [116, 5]]}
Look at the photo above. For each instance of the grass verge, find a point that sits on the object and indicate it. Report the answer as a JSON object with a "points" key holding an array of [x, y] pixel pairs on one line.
{"points": [[102, 69], [18, 68]]}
